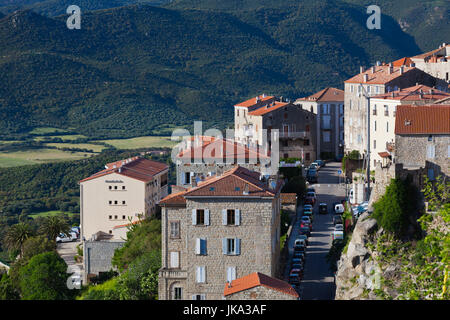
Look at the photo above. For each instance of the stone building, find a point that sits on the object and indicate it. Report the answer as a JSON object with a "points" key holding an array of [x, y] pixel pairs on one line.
{"points": [[436, 63], [422, 138], [378, 79], [258, 286], [225, 227], [328, 106], [205, 156], [255, 119], [383, 111], [119, 194]]}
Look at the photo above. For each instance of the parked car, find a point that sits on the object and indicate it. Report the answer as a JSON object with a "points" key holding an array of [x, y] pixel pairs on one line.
{"points": [[72, 236], [339, 227], [312, 176], [311, 194], [299, 248], [337, 235], [310, 189], [299, 255], [304, 237], [337, 219], [304, 231], [76, 230], [306, 225], [321, 163], [323, 208], [310, 200], [339, 208], [305, 219], [308, 214], [314, 166], [299, 242], [297, 261], [295, 276]]}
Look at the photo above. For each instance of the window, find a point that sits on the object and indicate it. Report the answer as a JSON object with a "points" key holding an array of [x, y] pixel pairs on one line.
{"points": [[430, 174], [187, 178], [374, 144], [123, 187], [123, 202], [123, 217], [175, 229], [177, 293], [326, 136], [231, 246], [430, 151], [341, 109], [326, 122], [430, 138], [231, 274], [115, 217], [115, 187], [198, 297], [200, 246], [375, 125], [351, 104], [307, 156], [201, 274], [386, 110], [231, 217], [387, 126], [237, 112], [306, 143], [110, 187], [285, 115], [110, 217], [285, 155], [115, 201], [110, 202], [374, 110], [200, 217], [174, 259], [395, 111], [326, 109]]}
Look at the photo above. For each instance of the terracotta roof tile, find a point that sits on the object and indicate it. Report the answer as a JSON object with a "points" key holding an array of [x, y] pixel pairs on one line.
{"points": [[326, 95], [415, 93], [258, 279], [136, 168], [288, 198], [402, 62], [380, 76], [255, 101], [427, 119], [269, 108]]}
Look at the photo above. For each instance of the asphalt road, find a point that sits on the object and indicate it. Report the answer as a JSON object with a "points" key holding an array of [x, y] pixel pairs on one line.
{"points": [[318, 280]]}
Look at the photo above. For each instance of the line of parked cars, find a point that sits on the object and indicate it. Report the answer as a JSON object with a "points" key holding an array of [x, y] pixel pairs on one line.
{"points": [[73, 235], [312, 172]]}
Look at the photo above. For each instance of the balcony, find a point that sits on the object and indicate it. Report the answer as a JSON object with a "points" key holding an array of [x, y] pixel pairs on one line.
{"points": [[296, 134], [172, 274]]}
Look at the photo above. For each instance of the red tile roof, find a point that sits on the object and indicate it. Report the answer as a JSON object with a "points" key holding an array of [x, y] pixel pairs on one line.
{"points": [[432, 53], [137, 168], [402, 62], [258, 279], [221, 149], [128, 224], [415, 93], [326, 95], [255, 101], [232, 183], [380, 76], [427, 119], [269, 108], [288, 198], [384, 154]]}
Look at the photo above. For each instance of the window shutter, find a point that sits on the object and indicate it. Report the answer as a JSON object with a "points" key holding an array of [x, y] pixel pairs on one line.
{"points": [[224, 217], [224, 246], [237, 217], [231, 274], [201, 274], [237, 243], [174, 260], [194, 297], [198, 274], [206, 217], [198, 243], [182, 177], [194, 217], [202, 246]]}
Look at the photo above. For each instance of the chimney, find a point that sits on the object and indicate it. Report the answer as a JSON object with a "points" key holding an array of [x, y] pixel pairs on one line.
{"points": [[402, 69], [390, 70], [378, 63], [193, 181], [246, 190], [361, 69], [373, 69], [366, 77]]}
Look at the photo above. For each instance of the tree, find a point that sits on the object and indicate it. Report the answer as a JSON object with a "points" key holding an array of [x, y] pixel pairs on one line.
{"points": [[17, 235], [52, 226], [7, 289], [36, 245], [44, 278]]}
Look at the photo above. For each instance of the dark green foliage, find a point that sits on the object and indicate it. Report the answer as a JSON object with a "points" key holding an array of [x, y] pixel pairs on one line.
{"points": [[52, 226], [394, 209], [103, 277], [44, 278], [285, 221], [145, 238], [37, 245], [7, 289], [296, 185]]}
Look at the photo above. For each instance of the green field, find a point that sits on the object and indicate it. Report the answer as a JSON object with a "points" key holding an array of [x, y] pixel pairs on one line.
{"points": [[19, 158], [142, 142], [63, 137], [93, 147], [46, 130], [51, 213]]}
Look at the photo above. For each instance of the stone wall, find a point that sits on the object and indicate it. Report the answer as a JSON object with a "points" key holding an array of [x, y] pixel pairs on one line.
{"points": [[259, 232], [260, 293], [97, 256]]}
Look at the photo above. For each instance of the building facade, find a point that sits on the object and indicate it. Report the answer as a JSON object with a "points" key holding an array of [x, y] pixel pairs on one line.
{"points": [[120, 194], [328, 106], [376, 80], [256, 118], [226, 227], [383, 113], [436, 63]]}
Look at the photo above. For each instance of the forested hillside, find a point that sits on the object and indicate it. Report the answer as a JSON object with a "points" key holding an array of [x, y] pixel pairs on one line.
{"points": [[141, 70]]}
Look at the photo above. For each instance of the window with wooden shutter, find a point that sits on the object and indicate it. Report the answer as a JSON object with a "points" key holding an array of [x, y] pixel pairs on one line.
{"points": [[206, 217], [237, 217], [231, 274], [201, 274], [174, 259], [175, 229], [430, 151], [224, 217]]}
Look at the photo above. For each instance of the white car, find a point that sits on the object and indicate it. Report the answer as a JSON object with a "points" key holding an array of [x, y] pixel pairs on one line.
{"points": [[339, 209], [339, 227], [66, 238]]}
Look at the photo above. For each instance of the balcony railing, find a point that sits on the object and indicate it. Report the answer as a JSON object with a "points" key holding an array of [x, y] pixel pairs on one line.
{"points": [[291, 134], [172, 274]]}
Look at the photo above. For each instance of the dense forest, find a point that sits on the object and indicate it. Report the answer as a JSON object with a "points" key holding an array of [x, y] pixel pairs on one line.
{"points": [[140, 70]]}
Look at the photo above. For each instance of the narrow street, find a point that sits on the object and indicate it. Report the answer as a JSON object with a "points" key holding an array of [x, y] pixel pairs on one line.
{"points": [[318, 280]]}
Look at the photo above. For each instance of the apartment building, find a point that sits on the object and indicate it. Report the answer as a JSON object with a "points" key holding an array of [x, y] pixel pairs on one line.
{"points": [[436, 63], [125, 189], [297, 127], [226, 227], [328, 106], [204, 156], [383, 114], [378, 79], [422, 138]]}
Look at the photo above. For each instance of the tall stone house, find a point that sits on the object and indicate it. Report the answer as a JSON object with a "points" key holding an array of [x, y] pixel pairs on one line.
{"points": [[125, 189], [258, 286], [378, 79], [422, 138], [383, 113], [436, 63], [328, 106], [226, 227], [204, 156], [297, 127]]}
